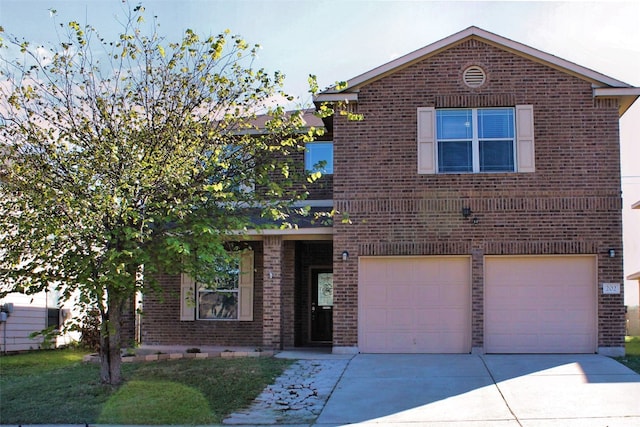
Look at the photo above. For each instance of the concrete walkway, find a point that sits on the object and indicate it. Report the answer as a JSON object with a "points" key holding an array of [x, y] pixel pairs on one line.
{"points": [[299, 395]]}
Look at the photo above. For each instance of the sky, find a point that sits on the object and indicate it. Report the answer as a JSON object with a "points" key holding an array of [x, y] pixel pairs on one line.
{"points": [[340, 39]]}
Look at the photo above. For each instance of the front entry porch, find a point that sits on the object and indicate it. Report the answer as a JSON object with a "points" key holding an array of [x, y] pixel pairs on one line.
{"points": [[298, 293]]}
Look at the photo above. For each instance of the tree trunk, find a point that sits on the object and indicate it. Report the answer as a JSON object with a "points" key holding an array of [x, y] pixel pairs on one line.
{"points": [[110, 344]]}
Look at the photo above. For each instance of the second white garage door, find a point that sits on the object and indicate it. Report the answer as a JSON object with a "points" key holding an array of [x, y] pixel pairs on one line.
{"points": [[414, 305], [540, 304]]}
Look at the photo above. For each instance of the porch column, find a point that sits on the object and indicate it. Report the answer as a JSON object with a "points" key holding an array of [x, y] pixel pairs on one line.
{"points": [[272, 294]]}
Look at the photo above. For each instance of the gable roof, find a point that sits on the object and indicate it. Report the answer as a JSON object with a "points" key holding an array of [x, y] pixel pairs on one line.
{"points": [[603, 85]]}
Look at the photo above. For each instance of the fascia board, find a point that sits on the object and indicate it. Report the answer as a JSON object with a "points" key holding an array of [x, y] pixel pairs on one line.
{"points": [[317, 233], [609, 92], [336, 97]]}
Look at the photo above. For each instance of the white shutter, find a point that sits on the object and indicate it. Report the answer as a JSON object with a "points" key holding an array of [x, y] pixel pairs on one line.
{"points": [[245, 282], [426, 140], [525, 147], [187, 298]]}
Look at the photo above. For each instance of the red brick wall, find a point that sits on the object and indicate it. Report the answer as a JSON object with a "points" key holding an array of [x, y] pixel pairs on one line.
{"points": [[273, 280], [321, 189], [128, 324], [571, 204], [160, 323]]}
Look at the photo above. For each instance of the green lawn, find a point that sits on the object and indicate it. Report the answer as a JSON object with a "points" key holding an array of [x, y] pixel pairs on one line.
{"points": [[48, 387], [632, 357]]}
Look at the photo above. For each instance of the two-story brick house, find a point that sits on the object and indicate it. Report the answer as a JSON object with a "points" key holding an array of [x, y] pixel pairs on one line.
{"points": [[478, 210]]}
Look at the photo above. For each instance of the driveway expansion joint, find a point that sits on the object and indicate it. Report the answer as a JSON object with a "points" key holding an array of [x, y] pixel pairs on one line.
{"points": [[495, 383]]}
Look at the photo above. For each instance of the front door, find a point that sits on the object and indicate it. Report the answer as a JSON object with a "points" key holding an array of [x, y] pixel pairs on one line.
{"points": [[321, 305]]}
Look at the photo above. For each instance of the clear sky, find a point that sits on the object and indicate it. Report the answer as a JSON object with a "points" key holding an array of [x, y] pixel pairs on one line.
{"points": [[340, 39]]}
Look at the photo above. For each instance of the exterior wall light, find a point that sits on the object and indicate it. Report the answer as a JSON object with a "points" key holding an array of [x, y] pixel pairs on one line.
{"points": [[466, 213], [345, 255], [612, 253]]}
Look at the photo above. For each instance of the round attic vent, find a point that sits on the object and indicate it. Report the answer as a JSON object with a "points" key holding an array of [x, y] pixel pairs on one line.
{"points": [[474, 76]]}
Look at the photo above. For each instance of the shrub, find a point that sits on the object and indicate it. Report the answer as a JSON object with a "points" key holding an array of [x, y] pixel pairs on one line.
{"points": [[90, 330]]}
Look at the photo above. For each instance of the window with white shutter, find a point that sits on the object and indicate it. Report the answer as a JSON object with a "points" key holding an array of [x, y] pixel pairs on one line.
{"points": [[229, 298], [475, 140], [187, 298]]}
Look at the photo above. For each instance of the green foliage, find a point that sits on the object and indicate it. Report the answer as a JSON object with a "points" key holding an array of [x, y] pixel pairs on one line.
{"points": [[135, 152], [37, 362], [632, 354], [48, 335], [632, 346], [89, 329], [161, 402], [48, 387]]}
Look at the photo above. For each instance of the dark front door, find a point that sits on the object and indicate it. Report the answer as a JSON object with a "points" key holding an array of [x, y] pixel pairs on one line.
{"points": [[321, 305]]}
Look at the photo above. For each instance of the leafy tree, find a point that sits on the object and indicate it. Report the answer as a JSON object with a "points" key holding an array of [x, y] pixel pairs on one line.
{"points": [[134, 156]]}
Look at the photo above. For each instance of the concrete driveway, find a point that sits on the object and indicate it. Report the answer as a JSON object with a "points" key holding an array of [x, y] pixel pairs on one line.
{"points": [[489, 390]]}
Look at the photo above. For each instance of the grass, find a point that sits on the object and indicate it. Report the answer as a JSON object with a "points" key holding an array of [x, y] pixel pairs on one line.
{"points": [[49, 387], [632, 356]]}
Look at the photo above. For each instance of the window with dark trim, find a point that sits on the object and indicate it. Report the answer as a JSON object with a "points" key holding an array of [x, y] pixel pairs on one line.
{"points": [[53, 318], [220, 300], [318, 157]]}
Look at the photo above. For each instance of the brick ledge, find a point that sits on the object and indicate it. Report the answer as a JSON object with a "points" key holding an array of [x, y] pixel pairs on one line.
{"points": [[95, 358]]}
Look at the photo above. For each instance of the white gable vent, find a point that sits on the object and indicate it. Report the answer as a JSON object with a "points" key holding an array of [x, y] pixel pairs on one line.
{"points": [[474, 76]]}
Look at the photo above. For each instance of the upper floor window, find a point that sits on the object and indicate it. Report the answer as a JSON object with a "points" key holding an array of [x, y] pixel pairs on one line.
{"points": [[473, 140], [318, 157], [223, 164]]}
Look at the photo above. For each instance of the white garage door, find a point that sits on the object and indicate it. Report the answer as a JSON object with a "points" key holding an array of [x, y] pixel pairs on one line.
{"points": [[414, 305], [544, 304]]}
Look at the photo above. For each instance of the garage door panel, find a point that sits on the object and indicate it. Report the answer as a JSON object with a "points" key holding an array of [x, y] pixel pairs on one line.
{"points": [[376, 297], [377, 341], [399, 320], [379, 274], [376, 317], [440, 342], [552, 295], [503, 343], [429, 295], [426, 304], [441, 320], [544, 304], [503, 318], [551, 318], [397, 294], [398, 340], [450, 295]]}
